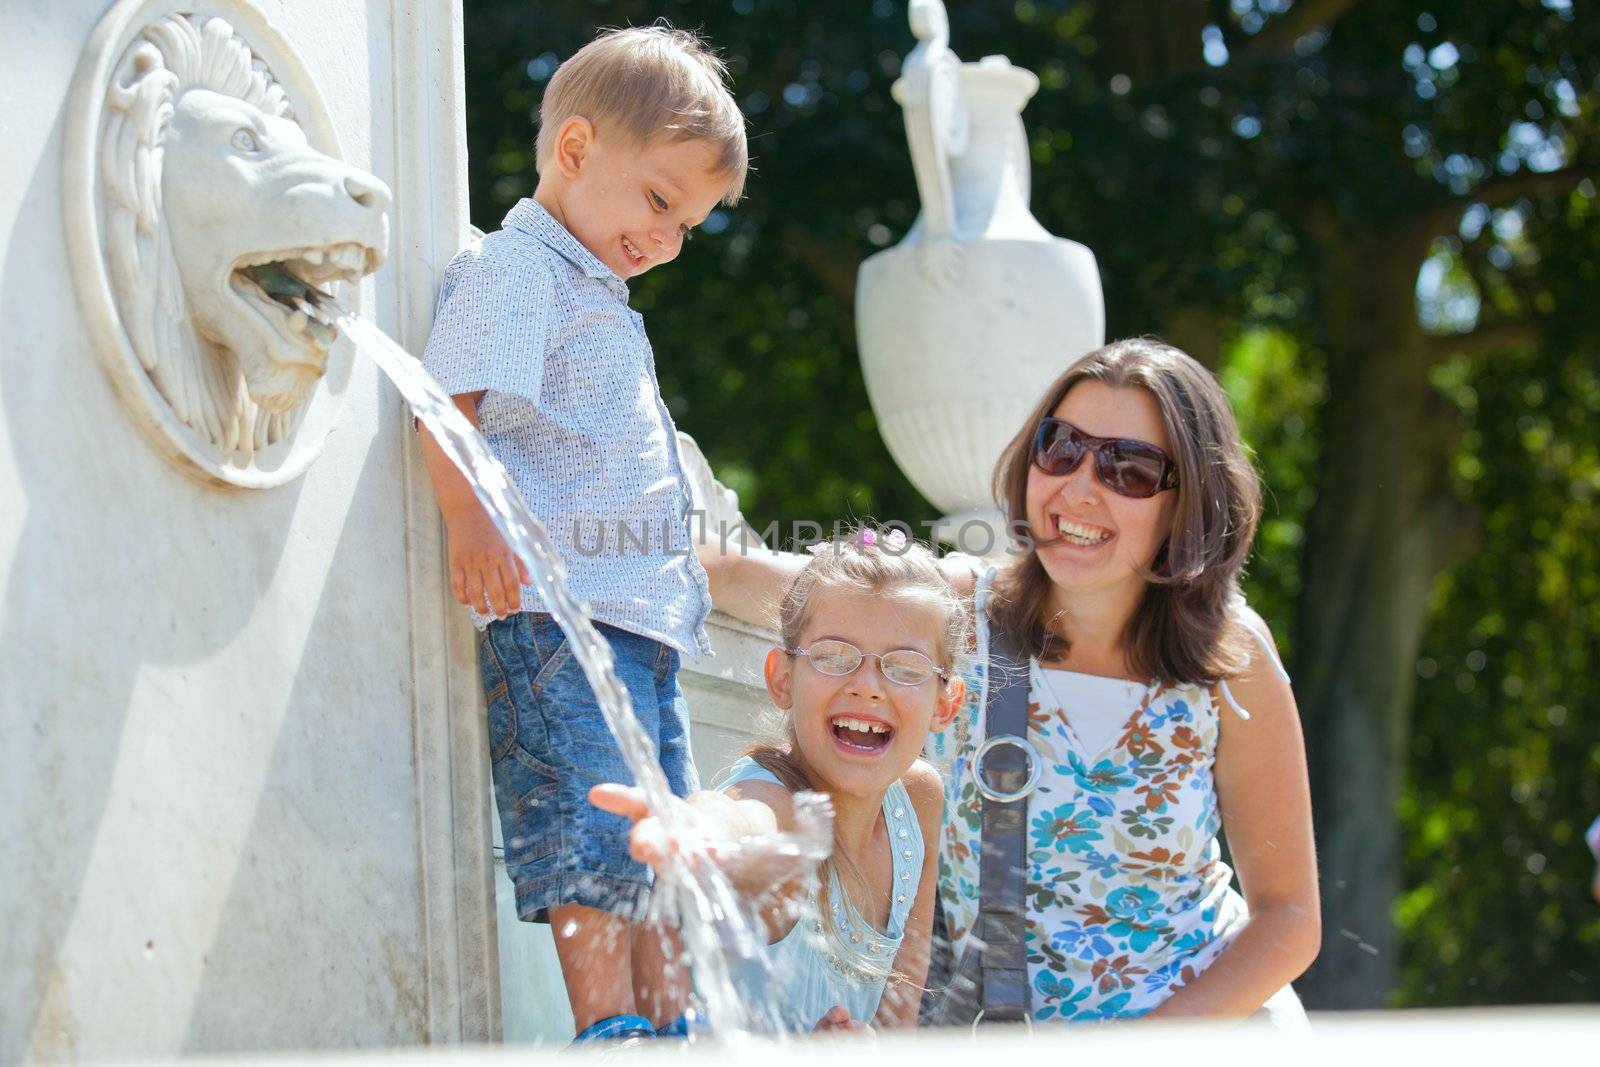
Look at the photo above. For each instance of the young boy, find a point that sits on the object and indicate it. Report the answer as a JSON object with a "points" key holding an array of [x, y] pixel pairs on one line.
{"points": [[639, 139]]}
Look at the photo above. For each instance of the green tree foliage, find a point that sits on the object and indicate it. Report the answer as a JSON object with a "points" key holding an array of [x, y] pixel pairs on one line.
{"points": [[1257, 178], [1505, 759]]}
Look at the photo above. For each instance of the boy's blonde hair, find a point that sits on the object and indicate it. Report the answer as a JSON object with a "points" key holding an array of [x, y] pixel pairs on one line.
{"points": [[648, 82]]}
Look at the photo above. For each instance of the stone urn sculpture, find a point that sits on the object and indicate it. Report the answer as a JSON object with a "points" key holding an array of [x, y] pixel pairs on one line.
{"points": [[964, 322]]}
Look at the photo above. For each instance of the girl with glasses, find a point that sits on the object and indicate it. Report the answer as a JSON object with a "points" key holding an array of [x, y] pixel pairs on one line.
{"points": [[1158, 718], [870, 630]]}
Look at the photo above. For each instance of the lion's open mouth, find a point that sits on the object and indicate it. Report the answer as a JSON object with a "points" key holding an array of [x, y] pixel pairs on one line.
{"points": [[297, 285]]}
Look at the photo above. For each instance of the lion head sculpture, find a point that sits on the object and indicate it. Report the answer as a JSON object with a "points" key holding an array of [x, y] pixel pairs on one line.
{"points": [[229, 240]]}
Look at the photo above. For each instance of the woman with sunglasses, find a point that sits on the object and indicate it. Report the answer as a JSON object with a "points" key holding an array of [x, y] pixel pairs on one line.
{"points": [[1157, 716]]}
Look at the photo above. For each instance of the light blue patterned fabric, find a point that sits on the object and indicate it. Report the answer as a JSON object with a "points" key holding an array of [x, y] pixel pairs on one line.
{"points": [[574, 412], [815, 971]]}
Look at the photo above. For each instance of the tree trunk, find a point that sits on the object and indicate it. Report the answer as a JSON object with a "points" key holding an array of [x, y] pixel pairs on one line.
{"points": [[1384, 525]]}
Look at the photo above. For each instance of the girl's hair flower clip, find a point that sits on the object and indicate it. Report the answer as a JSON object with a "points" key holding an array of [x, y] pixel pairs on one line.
{"points": [[892, 541]]}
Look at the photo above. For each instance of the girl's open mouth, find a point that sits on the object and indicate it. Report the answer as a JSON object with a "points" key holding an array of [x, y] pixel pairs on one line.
{"points": [[861, 735]]}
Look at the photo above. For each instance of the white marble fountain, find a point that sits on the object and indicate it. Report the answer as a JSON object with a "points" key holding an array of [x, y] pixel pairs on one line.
{"points": [[243, 789]]}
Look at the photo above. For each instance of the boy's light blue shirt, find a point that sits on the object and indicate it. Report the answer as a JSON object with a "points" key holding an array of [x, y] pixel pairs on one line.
{"points": [[573, 410]]}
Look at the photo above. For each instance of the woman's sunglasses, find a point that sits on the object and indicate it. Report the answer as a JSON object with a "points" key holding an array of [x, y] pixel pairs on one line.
{"points": [[1123, 465], [903, 666]]}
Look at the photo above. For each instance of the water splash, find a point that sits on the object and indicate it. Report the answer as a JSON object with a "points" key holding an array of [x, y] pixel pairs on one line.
{"points": [[723, 940]]}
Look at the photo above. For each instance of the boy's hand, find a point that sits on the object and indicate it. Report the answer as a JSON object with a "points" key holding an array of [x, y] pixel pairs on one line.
{"points": [[484, 573]]}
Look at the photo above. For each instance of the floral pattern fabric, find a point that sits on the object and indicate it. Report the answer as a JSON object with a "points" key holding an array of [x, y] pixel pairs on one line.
{"points": [[1128, 897]]}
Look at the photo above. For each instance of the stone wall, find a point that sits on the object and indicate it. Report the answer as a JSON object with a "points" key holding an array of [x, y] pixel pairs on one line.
{"points": [[242, 790]]}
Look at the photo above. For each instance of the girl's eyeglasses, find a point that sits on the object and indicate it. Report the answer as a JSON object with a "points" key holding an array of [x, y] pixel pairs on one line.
{"points": [[1125, 466], [903, 666]]}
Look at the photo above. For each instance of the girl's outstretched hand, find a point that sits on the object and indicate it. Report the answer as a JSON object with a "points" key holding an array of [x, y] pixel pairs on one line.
{"points": [[710, 817], [837, 1020], [749, 834], [648, 842]]}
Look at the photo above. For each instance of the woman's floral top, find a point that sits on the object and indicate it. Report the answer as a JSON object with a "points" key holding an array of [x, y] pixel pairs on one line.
{"points": [[1127, 892]]}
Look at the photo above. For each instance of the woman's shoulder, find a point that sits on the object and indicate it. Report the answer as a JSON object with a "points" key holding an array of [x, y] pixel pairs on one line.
{"points": [[1240, 611], [1262, 683], [1263, 663]]}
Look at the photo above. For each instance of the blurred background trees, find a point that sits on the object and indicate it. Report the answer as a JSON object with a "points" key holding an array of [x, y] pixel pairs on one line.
{"points": [[1378, 222]]}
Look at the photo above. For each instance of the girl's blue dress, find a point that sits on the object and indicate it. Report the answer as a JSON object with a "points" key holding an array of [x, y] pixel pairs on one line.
{"points": [[815, 969]]}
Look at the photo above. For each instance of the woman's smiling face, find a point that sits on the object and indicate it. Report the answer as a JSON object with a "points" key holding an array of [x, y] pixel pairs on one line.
{"points": [[1088, 537], [859, 732]]}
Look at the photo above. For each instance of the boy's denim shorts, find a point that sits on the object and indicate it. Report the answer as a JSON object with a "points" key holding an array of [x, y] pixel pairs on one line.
{"points": [[549, 743]]}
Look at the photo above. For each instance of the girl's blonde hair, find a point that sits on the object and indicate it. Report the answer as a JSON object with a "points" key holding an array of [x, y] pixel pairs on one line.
{"points": [[1183, 631], [877, 563], [649, 82]]}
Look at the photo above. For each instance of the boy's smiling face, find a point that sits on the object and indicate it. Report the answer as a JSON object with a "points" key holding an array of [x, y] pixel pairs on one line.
{"points": [[633, 205]]}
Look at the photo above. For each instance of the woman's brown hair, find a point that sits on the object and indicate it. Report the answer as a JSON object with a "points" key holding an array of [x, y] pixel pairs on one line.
{"points": [[1183, 631]]}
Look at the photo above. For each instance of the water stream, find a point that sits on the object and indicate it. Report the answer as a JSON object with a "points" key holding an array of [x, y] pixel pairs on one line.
{"points": [[722, 939]]}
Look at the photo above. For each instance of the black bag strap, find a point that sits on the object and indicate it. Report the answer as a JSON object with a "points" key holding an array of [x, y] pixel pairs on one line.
{"points": [[1006, 763], [991, 981]]}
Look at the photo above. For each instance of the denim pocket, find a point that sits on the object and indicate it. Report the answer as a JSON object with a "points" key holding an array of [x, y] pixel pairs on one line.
{"points": [[497, 699], [552, 662], [535, 652]]}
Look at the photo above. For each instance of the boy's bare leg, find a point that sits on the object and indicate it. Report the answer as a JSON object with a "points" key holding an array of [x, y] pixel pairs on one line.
{"points": [[595, 949], [660, 975]]}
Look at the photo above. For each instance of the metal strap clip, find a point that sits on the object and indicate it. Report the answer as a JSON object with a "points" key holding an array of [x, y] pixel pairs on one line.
{"points": [[1030, 756]]}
